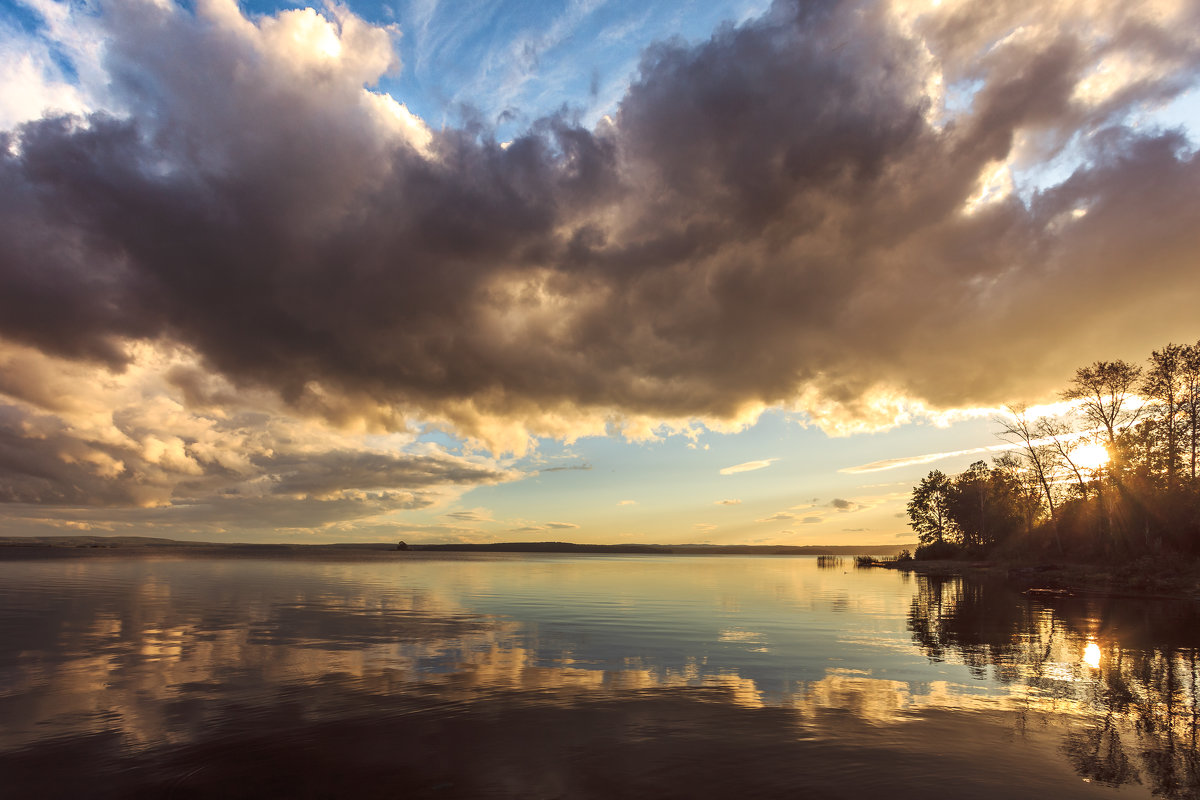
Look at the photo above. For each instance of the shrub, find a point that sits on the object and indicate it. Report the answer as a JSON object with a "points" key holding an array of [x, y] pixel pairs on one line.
{"points": [[938, 550]]}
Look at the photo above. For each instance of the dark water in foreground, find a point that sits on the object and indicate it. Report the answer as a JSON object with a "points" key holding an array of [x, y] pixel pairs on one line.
{"points": [[410, 675]]}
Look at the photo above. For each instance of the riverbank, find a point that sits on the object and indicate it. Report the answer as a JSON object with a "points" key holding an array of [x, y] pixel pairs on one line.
{"points": [[1145, 577]]}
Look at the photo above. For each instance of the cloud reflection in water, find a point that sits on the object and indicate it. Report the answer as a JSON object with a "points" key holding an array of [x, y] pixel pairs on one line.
{"points": [[579, 677]]}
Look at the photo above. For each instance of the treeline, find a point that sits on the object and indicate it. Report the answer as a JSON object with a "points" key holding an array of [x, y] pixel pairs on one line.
{"points": [[1114, 477]]}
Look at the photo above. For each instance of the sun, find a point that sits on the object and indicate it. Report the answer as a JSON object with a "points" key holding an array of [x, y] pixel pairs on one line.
{"points": [[1090, 456]]}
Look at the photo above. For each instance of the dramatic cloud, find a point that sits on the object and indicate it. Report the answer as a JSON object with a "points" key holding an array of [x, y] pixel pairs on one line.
{"points": [[82, 447], [790, 213]]}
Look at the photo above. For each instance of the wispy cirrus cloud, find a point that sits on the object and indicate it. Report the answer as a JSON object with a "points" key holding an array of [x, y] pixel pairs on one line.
{"points": [[925, 458], [568, 468], [748, 466], [545, 526], [471, 515]]}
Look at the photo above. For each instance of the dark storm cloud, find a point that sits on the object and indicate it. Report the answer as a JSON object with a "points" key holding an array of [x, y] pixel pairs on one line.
{"points": [[771, 211]]}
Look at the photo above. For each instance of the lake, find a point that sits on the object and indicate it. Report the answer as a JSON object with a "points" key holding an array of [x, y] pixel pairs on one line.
{"points": [[466, 675]]}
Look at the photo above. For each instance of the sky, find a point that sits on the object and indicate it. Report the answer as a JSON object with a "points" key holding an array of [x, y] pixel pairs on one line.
{"points": [[594, 271]]}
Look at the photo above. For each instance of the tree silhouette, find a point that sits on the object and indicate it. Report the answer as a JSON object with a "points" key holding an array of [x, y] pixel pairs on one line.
{"points": [[1105, 390], [929, 509], [1145, 499]]}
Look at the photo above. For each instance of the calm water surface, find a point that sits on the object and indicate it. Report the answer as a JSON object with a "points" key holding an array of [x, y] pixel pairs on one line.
{"points": [[423, 675]]}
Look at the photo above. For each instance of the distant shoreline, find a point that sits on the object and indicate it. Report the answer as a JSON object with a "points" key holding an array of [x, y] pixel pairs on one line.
{"points": [[58, 546]]}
